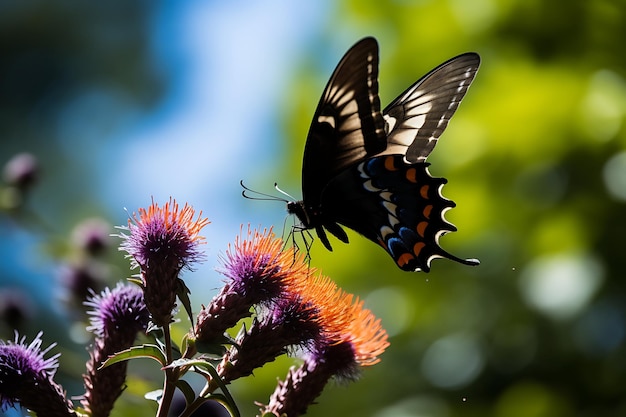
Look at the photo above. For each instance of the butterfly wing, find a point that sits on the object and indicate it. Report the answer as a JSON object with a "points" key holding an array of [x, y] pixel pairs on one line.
{"points": [[395, 204], [417, 118], [347, 125], [364, 168]]}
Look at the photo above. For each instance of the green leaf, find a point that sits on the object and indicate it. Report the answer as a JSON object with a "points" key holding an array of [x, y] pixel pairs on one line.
{"points": [[182, 291], [187, 363], [143, 351]]}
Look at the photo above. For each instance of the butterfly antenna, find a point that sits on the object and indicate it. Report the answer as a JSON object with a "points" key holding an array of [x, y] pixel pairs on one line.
{"points": [[277, 188], [257, 195]]}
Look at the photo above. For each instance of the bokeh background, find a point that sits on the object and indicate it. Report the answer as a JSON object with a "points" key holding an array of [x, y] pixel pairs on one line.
{"points": [[125, 101]]}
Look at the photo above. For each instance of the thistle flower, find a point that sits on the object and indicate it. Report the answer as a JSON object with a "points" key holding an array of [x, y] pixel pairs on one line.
{"points": [[161, 242], [26, 377], [92, 236], [80, 279], [258, 271], [352, 338], [21, 171], [20, 174], [356, 342], [117, 316], [16, 307]]}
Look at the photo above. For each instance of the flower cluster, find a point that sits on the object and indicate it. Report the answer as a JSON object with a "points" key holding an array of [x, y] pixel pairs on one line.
{"points": [[297, 310], [293, 310]]}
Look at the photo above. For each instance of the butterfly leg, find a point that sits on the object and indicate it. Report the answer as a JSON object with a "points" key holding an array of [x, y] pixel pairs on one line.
{"points": [[307, 240]]}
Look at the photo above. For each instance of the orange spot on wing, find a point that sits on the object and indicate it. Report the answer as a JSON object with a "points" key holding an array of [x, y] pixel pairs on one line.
{"points": [[389, 164], [424, 191], [417, 248], [427, 211], [411, 175], [421, 228], [404, 259]]}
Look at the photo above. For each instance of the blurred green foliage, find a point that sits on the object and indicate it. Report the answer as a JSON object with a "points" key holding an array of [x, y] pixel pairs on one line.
{"points": [[535, 159]]}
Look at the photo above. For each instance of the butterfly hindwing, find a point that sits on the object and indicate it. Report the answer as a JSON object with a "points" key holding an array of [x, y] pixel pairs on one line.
{"points": [[395, 204]]}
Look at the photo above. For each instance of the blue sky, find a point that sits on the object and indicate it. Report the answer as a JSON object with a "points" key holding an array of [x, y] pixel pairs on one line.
{"points": [[228, 64], [231, 62]]}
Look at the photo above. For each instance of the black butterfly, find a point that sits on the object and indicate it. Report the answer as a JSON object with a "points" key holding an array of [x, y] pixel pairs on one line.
{"points": [[365, 169]]}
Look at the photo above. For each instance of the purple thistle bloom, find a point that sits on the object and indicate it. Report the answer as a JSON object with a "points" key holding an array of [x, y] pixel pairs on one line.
{"points": [[164, 234], [80, 280], [21, 171], [161, 242], [117, 312], [26, 377], [260, 271], [92, 235], [117, 316]]}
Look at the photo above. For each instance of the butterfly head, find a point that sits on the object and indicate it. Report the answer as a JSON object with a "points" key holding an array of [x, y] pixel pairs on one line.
{"points": [[299, 210]]}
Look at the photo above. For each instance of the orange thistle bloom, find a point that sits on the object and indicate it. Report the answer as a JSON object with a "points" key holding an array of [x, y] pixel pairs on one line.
{"points": [[351, 338], [366, 335], [346, 321]]}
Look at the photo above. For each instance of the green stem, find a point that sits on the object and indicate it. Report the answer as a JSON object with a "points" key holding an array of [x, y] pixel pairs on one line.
{"points": [[171, 376]]}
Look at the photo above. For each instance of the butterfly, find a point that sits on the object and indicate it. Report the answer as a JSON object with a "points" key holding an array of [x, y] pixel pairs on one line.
{"points": [[366, 170]]}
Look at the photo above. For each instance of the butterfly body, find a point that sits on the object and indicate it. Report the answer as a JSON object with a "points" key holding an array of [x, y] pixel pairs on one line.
{"points": [[365, 169]]}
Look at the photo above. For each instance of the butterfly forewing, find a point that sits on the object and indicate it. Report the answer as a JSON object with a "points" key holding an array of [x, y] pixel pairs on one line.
{"points": [[348, 125], [416, 119]]}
